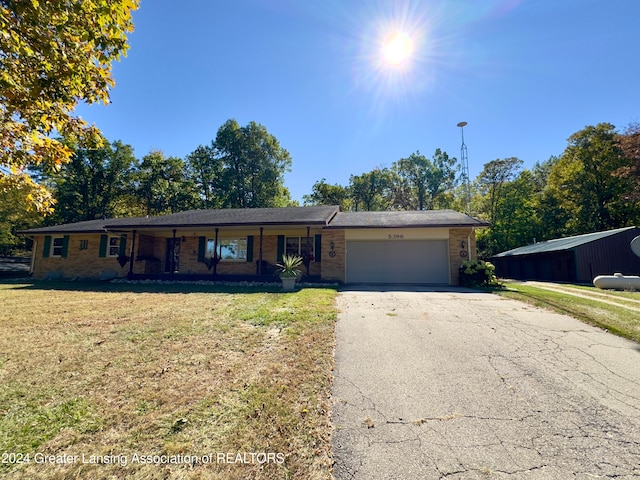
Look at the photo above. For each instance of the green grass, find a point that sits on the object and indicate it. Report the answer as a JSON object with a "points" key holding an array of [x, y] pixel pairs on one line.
{"points": [[618, 320], [99, 369]]}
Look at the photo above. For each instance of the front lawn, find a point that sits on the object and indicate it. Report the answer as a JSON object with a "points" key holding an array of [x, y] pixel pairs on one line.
{"points": [[104, 381]]}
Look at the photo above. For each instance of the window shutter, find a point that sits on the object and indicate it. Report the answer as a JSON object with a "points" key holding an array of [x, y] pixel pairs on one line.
{"points": [[280, 247], [202, 245], [250, 248], [65, 246], [103, 246], [123, 246], [318, 247], [47, 246]]}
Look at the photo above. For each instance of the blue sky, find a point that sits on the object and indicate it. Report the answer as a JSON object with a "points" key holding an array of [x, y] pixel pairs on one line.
{"points": [[524, 74]]}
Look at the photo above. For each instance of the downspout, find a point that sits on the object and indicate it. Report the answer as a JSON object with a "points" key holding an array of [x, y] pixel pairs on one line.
{"points": [[215, 255], [260, 252], [307, 255], [173, 253], [33, 256], [133, 246]]}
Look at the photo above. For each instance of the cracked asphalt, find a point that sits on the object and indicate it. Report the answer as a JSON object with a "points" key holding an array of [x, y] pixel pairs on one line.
{"points": [[462, 385]]}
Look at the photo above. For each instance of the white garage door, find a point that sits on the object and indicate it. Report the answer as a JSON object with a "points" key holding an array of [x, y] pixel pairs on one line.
{"points": [[406, 261]]}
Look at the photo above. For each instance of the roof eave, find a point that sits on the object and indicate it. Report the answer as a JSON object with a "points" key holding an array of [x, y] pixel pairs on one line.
{"points": [[436, 225]]}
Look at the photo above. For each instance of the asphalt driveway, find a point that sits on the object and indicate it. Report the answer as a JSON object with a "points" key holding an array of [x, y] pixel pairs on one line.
{"points": [[461, 385]]}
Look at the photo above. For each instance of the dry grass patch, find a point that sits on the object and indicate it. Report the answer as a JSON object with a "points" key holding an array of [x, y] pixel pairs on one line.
{"points": [[119, 373]]}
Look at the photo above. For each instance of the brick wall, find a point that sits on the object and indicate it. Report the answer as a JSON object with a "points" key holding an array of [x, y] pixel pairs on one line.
{"points": [[456, 237], [332, 264], [79, 263]]}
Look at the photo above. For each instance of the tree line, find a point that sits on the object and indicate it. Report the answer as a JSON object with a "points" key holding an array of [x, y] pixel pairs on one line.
{"points": [[593, 185], [243, 167]]}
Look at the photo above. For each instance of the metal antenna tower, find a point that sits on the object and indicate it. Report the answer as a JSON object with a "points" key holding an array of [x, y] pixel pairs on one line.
{"points": [[464, 160]]}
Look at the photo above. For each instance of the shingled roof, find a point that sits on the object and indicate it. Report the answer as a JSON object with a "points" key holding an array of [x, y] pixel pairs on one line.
{"points": [[325, 216], [89, 226], [402, 219], [317, 215]]}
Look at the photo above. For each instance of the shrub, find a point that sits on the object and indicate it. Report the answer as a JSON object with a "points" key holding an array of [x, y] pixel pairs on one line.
{"points": [[478, 273]]}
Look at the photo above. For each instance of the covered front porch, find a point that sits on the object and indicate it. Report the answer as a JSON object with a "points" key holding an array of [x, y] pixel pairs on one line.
{"points": [[219, 253]]}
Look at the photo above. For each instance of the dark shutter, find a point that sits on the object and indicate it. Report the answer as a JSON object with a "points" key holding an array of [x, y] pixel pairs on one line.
{"points": [[47, 246], [280, 247], [65, 246], [202, 245], [318, 248], [103, 246], [250, 248], [122, 252]]}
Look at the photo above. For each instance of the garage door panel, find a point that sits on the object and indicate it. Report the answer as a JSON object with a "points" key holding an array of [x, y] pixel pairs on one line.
{"points": [[423, 261]]}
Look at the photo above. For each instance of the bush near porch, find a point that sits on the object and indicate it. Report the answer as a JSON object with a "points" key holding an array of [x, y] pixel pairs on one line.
{"points": [[478, 273]]}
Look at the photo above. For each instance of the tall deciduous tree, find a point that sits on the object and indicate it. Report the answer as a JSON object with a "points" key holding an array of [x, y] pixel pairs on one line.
{"points": [[163, 186], [427, 180], [253, 166], [491, 183], [585, 184], [204, 168], [325, 194], [95, 183], [53, 54], [371, 191], [629, 142]]}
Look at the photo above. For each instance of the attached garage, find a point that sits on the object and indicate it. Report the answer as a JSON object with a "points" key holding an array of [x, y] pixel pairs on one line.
{"points": [[397, 261], [423, 247]]}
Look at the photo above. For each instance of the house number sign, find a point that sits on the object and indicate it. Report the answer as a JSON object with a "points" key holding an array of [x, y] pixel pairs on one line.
{"points": [[396, 236]]}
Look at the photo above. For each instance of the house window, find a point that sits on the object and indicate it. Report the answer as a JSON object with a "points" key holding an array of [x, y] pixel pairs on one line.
{"points": [[57, 246], [229, 249], [114, 246], [298, 246]]}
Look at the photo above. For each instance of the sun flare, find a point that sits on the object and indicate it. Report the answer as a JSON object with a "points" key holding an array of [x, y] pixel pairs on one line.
{"points": [[397, 49]]}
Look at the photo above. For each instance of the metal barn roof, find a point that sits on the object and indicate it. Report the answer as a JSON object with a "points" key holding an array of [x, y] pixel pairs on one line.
{"points": [[559, 244]]}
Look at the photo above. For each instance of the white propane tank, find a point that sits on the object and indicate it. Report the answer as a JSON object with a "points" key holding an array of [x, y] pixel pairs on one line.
{"points": [[617, 281]]}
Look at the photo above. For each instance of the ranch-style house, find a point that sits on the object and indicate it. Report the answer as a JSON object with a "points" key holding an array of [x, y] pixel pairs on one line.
{"points": [[396, 247]]}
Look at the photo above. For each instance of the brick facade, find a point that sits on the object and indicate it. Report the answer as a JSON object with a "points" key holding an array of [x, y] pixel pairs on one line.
{"points": [[333, 255], [82, 260], [456, 255], [82, 255]]}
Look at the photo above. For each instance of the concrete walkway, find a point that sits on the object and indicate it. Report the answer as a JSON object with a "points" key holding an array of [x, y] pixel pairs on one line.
{"points": [[462, 385]]}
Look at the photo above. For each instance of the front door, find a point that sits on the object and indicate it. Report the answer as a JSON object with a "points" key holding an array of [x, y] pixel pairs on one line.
{"points": [[172, 256]]}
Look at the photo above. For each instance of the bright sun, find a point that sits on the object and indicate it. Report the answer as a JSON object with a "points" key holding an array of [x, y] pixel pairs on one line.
{"points": [[397, 49]]}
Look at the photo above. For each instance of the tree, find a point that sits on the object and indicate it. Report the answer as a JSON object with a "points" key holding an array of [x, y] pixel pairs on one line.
{"points": [[551, 218], [253, 166], [490, 185], [371, 191], [95, 183], [15, 216], [325, 194], [585, 183], [629, 143], [52, 56], [204, 168], [427, 180], [162, 185]]}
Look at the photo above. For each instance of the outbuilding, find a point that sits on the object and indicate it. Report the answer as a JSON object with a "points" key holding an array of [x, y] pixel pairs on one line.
{"points": [[576, 259], [399, 247]]}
